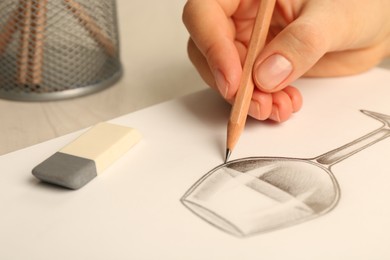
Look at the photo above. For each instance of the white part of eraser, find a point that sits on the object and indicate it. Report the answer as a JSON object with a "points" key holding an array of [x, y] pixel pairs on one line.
{"points": [[103, 143], [89, 155]]}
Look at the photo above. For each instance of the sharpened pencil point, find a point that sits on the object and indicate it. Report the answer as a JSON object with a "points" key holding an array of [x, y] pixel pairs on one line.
{"points": [[228, 152]]}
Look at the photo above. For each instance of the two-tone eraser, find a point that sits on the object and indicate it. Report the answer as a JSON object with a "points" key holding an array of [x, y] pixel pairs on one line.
{"points": [[88, 156]]}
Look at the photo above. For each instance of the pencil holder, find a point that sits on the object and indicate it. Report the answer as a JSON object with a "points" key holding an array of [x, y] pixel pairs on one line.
{"points": [[57, 49]]}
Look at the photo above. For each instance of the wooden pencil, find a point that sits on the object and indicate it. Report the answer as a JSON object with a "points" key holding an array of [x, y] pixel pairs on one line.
{"points": [[243, 98], [91, 26], [8, 31], [38, 28], [23, 55]]}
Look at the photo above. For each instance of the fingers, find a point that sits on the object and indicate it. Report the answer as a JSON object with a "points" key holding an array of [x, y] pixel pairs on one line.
{"points": [[295, 97], [217, 56], [213, 33], [200, 63], [260, 107], [277, 106], [296, 48]]}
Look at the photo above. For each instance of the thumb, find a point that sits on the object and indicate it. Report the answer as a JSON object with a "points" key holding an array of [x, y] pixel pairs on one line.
{"points": [[293, 51]]}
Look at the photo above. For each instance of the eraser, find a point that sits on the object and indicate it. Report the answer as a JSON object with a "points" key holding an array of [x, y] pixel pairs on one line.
{"points": [[88, 156]]}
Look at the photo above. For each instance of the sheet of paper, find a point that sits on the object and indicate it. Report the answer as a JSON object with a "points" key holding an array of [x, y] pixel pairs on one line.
{"points": [[134, 209]]}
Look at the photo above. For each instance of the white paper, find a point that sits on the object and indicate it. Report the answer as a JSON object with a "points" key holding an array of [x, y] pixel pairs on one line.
{"points": [[134, 210]]}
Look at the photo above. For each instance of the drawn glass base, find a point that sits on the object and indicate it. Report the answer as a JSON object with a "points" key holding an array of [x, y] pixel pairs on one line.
{"points": [[260, 194]]}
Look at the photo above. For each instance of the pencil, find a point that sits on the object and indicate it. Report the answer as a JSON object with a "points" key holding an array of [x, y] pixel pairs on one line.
{"points": [[243, 98], [38, 28], [8, 31], [91, 26], [25, 26]]}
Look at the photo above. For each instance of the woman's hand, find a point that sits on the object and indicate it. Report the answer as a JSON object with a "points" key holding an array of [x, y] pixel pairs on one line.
{"points": [[315, 38]]}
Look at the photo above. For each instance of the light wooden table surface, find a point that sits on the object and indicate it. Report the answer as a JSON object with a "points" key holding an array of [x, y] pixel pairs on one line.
{"points": [[153, 52]]}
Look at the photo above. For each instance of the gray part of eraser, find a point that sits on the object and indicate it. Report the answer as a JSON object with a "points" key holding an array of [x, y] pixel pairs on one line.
{"points": [[66, 170]]}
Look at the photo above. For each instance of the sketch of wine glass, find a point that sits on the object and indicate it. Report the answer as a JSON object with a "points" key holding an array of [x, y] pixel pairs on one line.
{"points": [[253, 195]]}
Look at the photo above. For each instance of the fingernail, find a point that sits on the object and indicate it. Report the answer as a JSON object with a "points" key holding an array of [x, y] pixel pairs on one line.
{"points": [[222, 83], [275, 114], [273, 71]]}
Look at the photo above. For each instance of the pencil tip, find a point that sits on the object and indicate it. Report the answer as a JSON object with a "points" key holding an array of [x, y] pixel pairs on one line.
{"points": [[228, 152]]}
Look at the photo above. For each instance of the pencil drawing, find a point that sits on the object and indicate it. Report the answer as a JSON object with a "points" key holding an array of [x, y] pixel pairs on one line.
{"points": [[254, 195]]}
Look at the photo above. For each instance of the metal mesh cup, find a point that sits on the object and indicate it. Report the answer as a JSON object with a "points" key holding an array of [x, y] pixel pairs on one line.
{"points": [[56, 49]]}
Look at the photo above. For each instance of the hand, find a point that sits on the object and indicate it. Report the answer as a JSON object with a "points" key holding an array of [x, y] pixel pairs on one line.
{"points": [[316, 38]]}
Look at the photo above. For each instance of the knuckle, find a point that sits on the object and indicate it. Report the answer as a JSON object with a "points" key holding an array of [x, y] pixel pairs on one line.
{"points": [[190, 12], [307, 39], [187, 9]]}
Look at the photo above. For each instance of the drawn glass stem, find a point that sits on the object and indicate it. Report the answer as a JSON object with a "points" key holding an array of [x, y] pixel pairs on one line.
{"points": [[332, 157]]}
